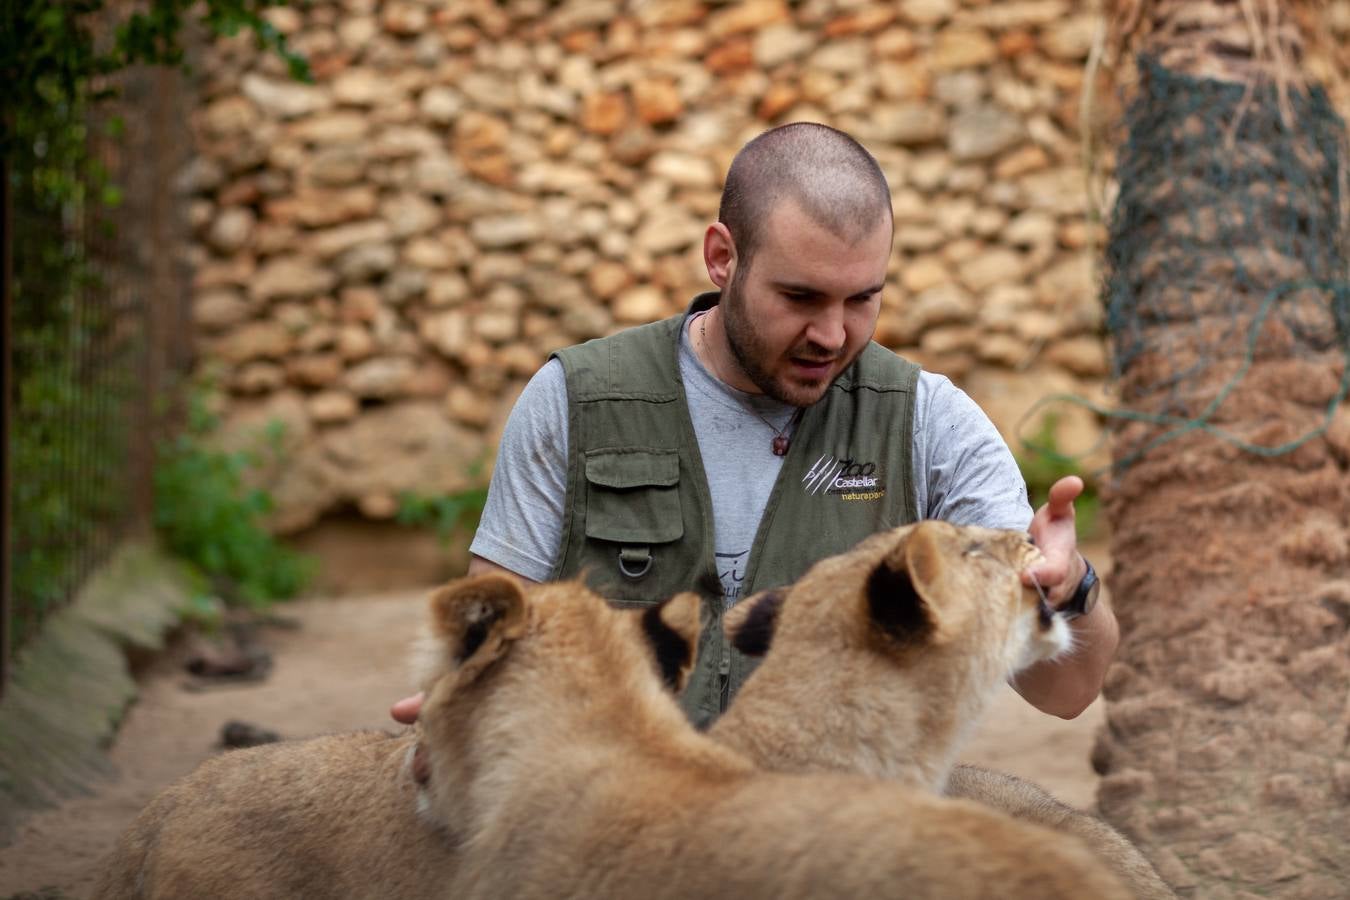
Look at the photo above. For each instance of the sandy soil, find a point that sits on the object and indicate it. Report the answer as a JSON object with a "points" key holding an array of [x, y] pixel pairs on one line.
{"points": [[340, 670]]}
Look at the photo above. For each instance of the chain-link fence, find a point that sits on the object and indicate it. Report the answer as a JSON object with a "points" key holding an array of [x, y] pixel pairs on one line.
{"points": [[95, 322]]}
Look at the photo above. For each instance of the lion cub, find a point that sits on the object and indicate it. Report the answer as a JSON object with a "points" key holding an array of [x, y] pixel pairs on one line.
{"points": [[884, 657], [856, 682], [554, 756], [553, 761]]}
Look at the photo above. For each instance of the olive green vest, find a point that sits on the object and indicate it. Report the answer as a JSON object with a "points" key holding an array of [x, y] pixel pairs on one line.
{"points": [[638, 516]]}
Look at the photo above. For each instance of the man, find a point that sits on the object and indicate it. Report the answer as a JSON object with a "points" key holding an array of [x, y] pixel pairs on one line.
{"points": [[727, 449]]}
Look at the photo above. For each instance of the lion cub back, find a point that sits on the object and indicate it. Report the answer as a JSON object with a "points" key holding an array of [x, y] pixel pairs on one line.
{"points": [[294, 819]]}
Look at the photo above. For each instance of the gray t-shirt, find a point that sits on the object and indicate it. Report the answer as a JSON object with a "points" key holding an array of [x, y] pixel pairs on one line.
{"points": [[963, 471]]}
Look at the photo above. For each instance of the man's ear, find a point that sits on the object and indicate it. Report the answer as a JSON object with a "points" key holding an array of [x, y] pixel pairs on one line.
{"points": [[911, 594], [672, 630], [719, 254], [477, 618], [751, 623]]}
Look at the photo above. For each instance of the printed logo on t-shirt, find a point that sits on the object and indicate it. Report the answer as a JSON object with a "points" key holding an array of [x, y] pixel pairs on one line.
{"points": [[731, 571], [847, 478]]}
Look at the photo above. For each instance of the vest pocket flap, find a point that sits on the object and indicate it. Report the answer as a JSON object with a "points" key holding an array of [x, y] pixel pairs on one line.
{"points": [[622, 469], [633, 497]]}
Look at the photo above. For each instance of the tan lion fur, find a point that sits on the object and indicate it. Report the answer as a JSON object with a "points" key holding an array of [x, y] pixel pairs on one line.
{"points": [[835, 693], [1030, 802], [555, 763], [830, 696], [567, 771], [331, 817]]}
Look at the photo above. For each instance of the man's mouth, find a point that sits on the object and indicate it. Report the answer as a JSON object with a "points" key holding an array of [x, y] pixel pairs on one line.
{"points": [[814, 367]]}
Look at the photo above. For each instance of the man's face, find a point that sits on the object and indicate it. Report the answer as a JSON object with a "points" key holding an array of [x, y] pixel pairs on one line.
{"points": [[806, 306]]}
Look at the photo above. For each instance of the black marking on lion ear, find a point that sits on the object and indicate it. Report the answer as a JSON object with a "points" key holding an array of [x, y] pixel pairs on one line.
{"points": [[755, 635], [894, 604], [475, 635], [673, 653]]}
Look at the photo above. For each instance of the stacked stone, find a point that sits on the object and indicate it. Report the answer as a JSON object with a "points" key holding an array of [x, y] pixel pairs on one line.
{"points": [[385, 255]]}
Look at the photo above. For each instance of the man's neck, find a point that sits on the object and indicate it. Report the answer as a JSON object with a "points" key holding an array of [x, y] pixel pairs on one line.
{"points": [[708, 338]]}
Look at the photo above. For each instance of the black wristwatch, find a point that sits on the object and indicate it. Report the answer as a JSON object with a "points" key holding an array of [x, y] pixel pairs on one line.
{"points": [[1084, 596]]}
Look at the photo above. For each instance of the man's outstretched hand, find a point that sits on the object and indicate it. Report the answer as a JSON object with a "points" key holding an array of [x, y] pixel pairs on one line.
{"points": [[1052, 528], [1064, 686], [406, 710]]}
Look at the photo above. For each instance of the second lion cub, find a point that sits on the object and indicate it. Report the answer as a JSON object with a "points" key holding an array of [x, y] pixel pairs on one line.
{"points": [[837, 693]]}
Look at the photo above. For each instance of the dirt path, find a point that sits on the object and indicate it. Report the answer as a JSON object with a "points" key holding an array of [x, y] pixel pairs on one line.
{"points": [[340, 670]]}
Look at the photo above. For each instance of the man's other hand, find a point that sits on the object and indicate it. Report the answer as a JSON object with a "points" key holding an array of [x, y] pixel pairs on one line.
{"points": [[406, 710]]}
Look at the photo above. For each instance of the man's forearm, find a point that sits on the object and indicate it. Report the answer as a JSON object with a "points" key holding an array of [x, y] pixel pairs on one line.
{"points": [[480, 566], [1066, 686]]}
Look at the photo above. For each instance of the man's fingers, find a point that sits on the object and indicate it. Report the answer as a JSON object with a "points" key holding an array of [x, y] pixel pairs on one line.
{"points": [[406, 710], [1062, 494], [1047, 573]]}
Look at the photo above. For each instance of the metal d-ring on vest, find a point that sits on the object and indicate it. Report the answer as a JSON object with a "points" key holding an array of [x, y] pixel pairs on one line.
{"points": [[635, 556]]}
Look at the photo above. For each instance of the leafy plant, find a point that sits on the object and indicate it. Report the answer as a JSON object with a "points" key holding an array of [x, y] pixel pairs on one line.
{"points": [[61, 47], [1042, 464], [206, 514], [451, 515]]}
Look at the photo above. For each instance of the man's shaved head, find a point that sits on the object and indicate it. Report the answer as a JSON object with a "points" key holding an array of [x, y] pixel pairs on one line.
{"points": [[834, 180]]}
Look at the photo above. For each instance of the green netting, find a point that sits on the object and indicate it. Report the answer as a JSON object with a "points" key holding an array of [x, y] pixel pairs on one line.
{"points": [[1228, 246]]}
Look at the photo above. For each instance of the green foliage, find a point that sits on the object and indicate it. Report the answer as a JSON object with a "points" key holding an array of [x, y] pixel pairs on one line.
{"points": [[75, 369], [1042, 465], [206, 514], [451, 515], [56, 56], [66, 481], [202, 611], [61, 49]]}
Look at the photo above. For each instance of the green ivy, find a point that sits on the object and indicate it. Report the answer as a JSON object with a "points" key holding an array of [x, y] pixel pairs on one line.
{"points": [[206, 513], [62, 47], [75, 368]]}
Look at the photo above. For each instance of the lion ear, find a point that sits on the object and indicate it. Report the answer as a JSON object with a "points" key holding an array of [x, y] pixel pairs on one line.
{"points": [[751, 623], [672, 629], [477, 618], [909, 592]]}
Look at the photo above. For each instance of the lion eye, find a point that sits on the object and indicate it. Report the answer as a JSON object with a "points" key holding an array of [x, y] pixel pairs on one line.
{"points": [[975, 549]]}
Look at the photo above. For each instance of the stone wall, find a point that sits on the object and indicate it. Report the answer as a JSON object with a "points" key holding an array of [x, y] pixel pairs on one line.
{"points": [[383, 257]]}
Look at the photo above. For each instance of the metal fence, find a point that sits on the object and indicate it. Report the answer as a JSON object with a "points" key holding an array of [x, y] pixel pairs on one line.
{"points": [[95, 325]]}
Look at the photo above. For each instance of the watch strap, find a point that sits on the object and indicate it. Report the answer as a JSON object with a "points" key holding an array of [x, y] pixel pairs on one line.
{"points": [[1084, 596]]}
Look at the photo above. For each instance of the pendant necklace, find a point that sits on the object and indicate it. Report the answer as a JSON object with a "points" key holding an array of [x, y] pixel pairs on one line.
{"points": [[782, 438]]}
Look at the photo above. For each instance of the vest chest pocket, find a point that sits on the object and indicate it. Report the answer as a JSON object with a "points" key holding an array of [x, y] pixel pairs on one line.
{"points": [[632, 504]]}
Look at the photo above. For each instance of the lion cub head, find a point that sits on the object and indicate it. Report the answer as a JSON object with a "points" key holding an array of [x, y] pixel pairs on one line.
{"points": [[509, 668], [891, 650]]}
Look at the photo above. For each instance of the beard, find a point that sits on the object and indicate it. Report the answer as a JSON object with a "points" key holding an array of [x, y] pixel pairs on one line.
{"points": [[755, 357]]}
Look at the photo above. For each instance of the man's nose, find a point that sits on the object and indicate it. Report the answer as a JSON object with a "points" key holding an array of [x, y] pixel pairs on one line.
{"points": [[826, 328]]}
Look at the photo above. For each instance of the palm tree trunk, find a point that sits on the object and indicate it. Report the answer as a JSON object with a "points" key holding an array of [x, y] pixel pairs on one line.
{"points": [[1226, 754]]}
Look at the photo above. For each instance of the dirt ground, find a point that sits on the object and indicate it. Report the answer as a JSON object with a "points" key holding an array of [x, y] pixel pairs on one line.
{"points": [[339, 670]]}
